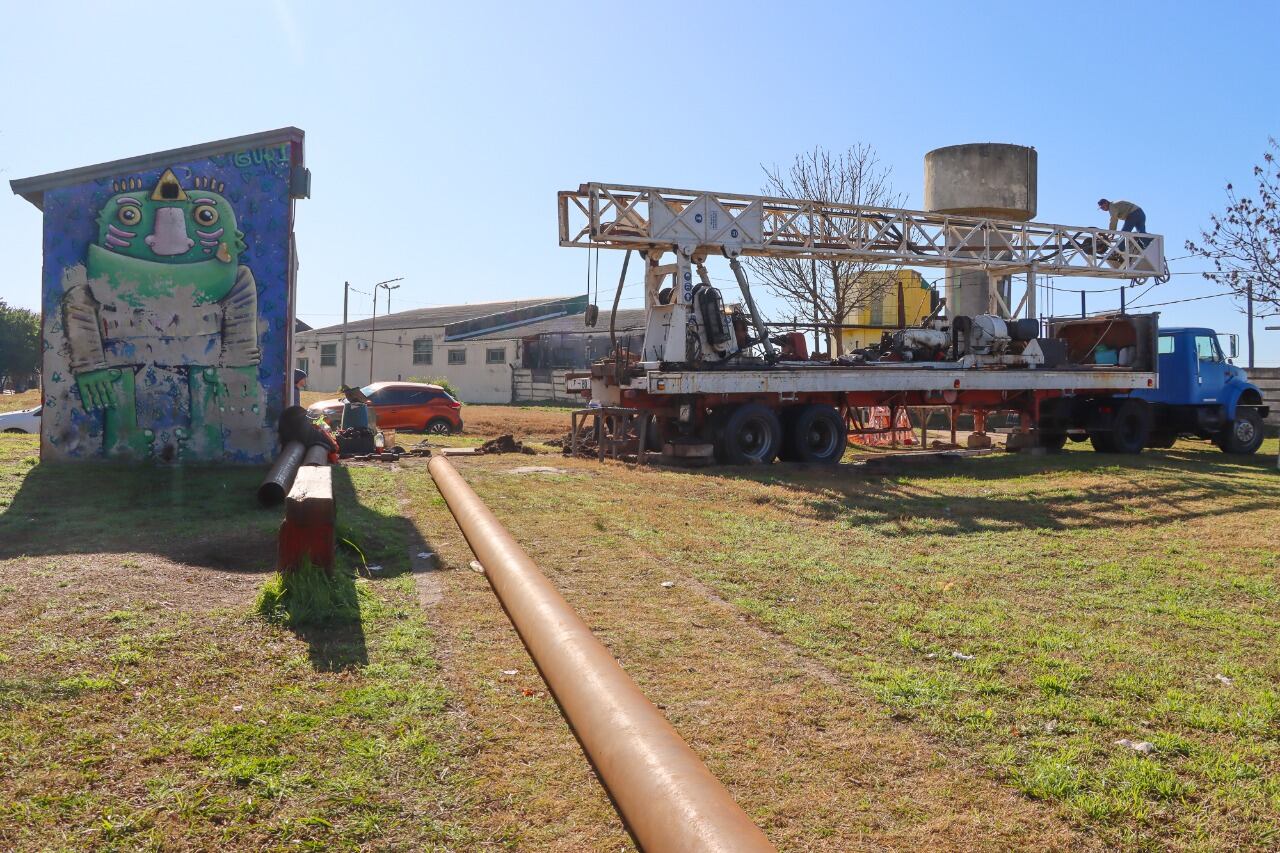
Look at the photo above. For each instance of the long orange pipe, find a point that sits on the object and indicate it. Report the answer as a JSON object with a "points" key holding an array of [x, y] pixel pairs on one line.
{"points": [[665, 795]]}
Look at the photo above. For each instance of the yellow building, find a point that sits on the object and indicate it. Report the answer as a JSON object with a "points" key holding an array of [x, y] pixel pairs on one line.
{"points": [[878, 311]]}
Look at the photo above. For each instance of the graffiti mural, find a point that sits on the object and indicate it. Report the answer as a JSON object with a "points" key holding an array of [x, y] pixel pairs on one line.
{"points": [[167, 310]]}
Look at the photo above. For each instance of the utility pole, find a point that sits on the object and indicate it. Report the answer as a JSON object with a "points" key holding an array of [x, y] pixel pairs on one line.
{"points": [[1250, 329], [817, 333], [346, 288], [373, 323], [373, 331]]}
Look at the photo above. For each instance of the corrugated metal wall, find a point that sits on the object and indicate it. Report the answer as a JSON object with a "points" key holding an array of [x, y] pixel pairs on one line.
{"points": [[1268, 381]]}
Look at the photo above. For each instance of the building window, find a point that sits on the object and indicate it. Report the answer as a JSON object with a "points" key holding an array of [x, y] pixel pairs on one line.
{"points": [[457, 356], [328, 355], [497, 355], [303, 365], [423, 349], [877, 311]]}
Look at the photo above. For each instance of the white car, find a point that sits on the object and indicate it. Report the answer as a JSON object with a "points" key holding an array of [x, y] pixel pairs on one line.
{"points": [[25, 420]]}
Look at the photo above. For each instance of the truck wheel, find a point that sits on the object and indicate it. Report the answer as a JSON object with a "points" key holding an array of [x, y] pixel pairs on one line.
{"points": [[750, 436], [1127, 432], [1243, 435], [817, 434]]}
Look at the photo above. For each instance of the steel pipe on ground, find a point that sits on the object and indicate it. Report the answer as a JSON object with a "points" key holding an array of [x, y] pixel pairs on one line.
{"points": [[316, 454], [278, 480], [665, 795]]}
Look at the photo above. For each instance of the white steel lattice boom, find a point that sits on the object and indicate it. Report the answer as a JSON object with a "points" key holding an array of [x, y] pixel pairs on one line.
{"points": [[618, 216]]}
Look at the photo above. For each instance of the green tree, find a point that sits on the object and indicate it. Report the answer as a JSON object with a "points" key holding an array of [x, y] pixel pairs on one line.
{"points": [[19, 342]]}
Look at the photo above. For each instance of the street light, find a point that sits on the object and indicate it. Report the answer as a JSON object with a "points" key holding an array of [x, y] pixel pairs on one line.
{"points": [[373, 324]]}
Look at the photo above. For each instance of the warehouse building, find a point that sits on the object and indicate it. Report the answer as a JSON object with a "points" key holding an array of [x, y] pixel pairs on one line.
{"points": [[491, 352]]}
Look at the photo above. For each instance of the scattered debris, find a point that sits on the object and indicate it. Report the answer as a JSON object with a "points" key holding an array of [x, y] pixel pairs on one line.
{"points": [[375, 568], [563, 441], [425, 555], [1143, 746], [931, 656], [668, 584], [386, 456], [961, 656], [476, 567], [1222, 679], [537, 469], [1051, 727], [460, 451], [237, 708], [505, 443], [511, 672]]}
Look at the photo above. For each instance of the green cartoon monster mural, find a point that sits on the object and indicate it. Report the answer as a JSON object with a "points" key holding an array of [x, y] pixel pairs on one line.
{"points": [[162, 322]]}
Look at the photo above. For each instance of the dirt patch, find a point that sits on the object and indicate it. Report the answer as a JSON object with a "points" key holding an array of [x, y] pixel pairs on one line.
{"points": [[522, 422], [16, 402]]}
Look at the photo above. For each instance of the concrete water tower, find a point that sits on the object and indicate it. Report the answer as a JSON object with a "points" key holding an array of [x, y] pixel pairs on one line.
{"points": [[981, 179]]}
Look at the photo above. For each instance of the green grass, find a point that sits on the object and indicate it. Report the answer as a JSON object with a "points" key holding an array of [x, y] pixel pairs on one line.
{"points": [[144, 707], [309, 596], [1027, 612]]}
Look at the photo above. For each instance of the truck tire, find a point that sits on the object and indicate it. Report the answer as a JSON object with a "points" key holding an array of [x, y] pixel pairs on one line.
{"points": [[1127, 430], [816, 434], [1243, 435], [750, 435]]}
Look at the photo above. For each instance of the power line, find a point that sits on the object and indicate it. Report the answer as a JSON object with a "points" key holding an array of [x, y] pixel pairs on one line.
{"points": [[1188, 299]]}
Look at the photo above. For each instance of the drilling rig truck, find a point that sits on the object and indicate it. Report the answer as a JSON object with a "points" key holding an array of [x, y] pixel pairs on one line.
{"points": [[710, 379]]}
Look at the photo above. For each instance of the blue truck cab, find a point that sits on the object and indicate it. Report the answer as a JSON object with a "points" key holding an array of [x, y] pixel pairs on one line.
{"points": [[1202, 394]]}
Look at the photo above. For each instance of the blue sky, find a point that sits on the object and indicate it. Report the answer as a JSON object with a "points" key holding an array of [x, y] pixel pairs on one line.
{"points": [[438, 134]]}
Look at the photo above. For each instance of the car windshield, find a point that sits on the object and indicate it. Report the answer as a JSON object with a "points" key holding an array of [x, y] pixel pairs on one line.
{"points": [[368, 390]]}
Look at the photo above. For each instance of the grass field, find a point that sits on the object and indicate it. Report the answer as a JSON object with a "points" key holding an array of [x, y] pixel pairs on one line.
{"points": [[942, 658], [141, 707]]}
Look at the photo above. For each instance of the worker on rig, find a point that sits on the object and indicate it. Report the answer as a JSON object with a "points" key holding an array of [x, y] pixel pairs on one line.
{"points": [[1134, 217]]}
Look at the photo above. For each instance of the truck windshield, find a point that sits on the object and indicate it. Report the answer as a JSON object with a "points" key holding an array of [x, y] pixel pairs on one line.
{"points": [[1207, 348]]}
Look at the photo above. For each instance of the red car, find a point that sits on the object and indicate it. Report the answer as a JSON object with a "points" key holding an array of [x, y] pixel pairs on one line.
{"points": [[414, 406]]}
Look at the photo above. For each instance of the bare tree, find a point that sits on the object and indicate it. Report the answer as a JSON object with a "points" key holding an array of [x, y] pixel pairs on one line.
{"points": [[828, 290], [1244, 242]]}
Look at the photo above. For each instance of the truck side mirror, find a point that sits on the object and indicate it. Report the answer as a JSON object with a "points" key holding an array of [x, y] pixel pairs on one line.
{"points": [[1235, 345]]}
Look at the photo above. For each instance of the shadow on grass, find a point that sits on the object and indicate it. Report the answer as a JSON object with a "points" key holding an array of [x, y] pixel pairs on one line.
{"points": [[383, 539], [201, 515], [205, 516], [334, 648], [1154, 488]]}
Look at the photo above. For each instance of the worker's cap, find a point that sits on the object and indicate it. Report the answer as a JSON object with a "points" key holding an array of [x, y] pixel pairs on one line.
{"points": [[298, 376]]}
